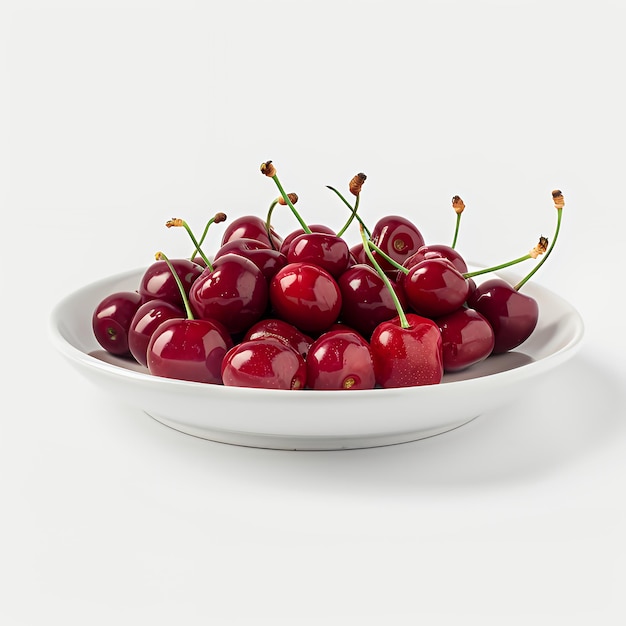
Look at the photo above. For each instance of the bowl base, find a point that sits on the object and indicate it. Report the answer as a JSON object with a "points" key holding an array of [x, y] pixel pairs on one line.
{"points": [[311, 443]]}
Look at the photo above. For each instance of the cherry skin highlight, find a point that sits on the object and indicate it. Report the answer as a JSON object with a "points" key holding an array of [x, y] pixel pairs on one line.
{"points": [[112, 318], [407, 357], [158, 282], [340, 359], [397, 237], [512, 315], [265, 364], [189, 349], [283, 331], [467, 338], [306, 296]]}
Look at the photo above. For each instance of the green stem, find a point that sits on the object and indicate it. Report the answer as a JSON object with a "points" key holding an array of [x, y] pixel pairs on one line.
{"points": [[403, 320], [198, 249], [495, 268], [353, 215], [456, 230], [305, 228], [545, 256], [268, 222], [385, 256], [183, 293]]}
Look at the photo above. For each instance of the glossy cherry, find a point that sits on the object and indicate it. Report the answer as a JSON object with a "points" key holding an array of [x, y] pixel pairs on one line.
{"points": [[149, 316], [111, 321], [283, 331], [306, 296], [324, 249], [265, 363], [366, 301], [314, 228], [512, 315], [437, 251], [397, 237], [340, 359], [467, 338], [189, 349], [435, 287], [407, 356], [268, 260], [234, 292], [251, 227], [158, 281]]}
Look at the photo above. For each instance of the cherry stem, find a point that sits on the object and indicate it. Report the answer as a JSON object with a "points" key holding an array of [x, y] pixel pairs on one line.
{"points": [[387, 258], [268, 222], [160, 256], [353, 210], [495, 268], [219, 217], [545, 256], [177, 222], [403, 320], [456, 230], [289, 203]]}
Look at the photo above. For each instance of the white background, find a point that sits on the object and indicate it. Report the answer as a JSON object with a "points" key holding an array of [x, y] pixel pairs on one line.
{"points": [[119, 115]]}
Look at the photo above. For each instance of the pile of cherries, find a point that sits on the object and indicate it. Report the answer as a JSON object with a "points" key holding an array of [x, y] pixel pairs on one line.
{"points": [[308, 311]]}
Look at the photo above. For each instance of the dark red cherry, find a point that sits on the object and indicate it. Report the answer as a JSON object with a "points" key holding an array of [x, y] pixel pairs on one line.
{"points": [[158, 283], [149, 316], [340, 359], [398, 237], [324, 249], [234, 292], [314, 228], [467, 338], [264, 363], [434, 287], [283, 331], [251, 227], [512, 315], [407, 357], [111, 321], [437, 251], [189, 349], [306, 296], [366, 301], [268, 260]]}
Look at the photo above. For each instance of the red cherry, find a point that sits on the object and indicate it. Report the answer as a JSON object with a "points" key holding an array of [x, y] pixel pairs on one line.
{"points": [[251, 227], [437, 251], [407, 357], [314, 228], [340, 359], [366, 301], [512, 315], [283, 331], [158, 282], [111, 321], [467, 338], [435, 287], [264, 363], [324, 249], [306, 296], [189, 349], [398, 237], [234, 292], [268, 260], [149, 316]]}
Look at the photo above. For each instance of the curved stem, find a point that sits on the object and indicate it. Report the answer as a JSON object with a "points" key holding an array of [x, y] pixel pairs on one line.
{"points": [[385, 256], [305, 228], [403, 320], [183, 293], [198, 243], [353, 215], [268, 222], [545, 256], [495, 268]]}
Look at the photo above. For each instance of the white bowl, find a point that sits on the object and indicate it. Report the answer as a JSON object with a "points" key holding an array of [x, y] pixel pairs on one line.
{"points": [[308, 419]]}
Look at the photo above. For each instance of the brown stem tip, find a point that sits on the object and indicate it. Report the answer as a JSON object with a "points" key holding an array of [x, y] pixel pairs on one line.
{"points": [[175, 221], [219, 217], [540, 248], [458, 205], [293, 198], [268, 169], [356, 183], [559, 200]]}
